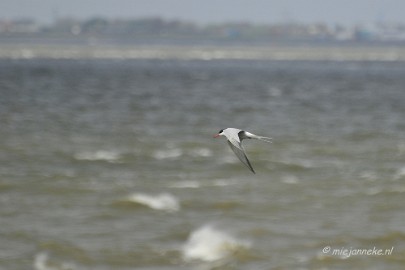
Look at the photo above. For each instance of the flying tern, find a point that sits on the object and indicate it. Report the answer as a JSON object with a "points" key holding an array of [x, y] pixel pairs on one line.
{"points": [[235, 137]]}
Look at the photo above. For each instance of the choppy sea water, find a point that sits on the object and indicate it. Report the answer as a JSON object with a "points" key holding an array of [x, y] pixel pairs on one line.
{"points": [[111, 164]]}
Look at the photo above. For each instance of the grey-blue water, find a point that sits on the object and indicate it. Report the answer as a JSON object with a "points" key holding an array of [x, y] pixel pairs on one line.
{"points": [[111, 164]]}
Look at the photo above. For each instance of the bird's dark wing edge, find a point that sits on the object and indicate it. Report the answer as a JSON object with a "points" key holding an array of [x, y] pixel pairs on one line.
{"points": [[239, 152]]}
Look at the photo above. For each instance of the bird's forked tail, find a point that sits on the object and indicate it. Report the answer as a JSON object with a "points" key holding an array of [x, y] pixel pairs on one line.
{"points": [[265, 139]]}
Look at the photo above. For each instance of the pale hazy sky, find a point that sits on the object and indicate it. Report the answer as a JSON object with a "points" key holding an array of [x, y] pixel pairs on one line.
{"points": [[205, 11]]}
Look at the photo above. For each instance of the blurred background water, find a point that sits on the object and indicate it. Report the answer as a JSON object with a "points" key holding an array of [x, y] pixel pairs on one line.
{"points": [[111, 164]]}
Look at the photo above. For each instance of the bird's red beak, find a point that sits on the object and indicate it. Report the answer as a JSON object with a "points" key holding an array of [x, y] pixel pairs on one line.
{"points": [[216, 135]]}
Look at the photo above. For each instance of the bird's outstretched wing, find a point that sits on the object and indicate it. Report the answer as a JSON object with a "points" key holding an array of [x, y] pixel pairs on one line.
{"points": [[240, 153]]}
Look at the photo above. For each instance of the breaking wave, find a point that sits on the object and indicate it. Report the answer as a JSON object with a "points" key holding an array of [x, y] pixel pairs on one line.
{"points": [[163, 201], [208, 243], [42, 262], [100, 155], [199, 184], [175, 152]]}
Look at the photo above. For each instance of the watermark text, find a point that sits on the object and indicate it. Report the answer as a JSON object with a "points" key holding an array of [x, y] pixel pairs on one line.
{"points": [[348, 252]]}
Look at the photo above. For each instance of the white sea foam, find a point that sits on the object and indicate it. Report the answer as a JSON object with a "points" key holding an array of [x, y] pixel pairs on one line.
{"points": [[369, 175], [168, 153], [186, 184], [197, 184], [399, 174], [104, 155], [42, 262], [290, 179], [208, 243], [223, 182], [175, 152], [163, 201], [201, 152]]}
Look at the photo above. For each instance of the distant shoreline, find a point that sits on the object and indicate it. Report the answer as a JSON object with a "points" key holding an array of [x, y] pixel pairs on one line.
{"points": [[210, 51], [302, 53]]}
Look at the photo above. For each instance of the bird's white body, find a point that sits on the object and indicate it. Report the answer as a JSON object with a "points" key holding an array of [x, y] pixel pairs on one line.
{"points": [[235, 137]]}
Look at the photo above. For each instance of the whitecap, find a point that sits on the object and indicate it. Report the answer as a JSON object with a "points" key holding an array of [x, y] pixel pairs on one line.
{"points": [[103, 155], [201, 152], [369, 175], [163, 201], [211, 244], [223, 182], [290, 179], [168, 154], [186, 184], [42, 262], [197, 184], [399, 174]]}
